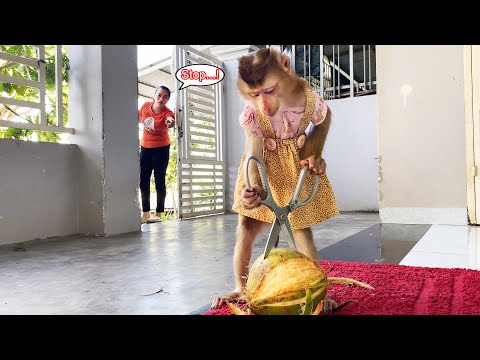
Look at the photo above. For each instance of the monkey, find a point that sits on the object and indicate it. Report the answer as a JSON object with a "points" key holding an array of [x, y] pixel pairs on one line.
{"points": [[286, 124]]}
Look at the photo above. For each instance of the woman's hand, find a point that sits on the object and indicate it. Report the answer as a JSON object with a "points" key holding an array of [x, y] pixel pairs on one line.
{"points": [[170, 122]]}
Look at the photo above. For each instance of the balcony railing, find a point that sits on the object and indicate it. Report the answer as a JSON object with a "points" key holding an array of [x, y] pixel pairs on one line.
{"points": [[336, 71], [28, 105]]}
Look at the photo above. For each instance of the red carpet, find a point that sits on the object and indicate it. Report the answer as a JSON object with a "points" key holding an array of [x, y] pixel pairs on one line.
{"points": [[401, 290]]}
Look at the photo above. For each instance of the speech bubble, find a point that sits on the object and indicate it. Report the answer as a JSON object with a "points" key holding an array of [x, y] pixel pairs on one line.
{"points": [[199, 75]]}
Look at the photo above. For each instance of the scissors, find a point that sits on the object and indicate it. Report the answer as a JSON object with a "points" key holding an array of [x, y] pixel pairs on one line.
{"points": [[281, 213]]}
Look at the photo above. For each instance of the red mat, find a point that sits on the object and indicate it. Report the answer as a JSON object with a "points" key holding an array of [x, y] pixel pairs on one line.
{"points": [[401, 290]]}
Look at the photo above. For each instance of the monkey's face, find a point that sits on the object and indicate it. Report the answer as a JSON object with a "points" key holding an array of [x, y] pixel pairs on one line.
{"points": [[266, 98], [265, 80]]}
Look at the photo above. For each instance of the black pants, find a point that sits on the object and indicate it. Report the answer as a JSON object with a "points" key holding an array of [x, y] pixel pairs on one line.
{"points": [[155, 159]]}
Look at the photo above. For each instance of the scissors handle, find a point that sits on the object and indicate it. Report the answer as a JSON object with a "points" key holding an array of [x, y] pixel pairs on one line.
{"points": [[296, 202], [261, 170], [268, 201]]}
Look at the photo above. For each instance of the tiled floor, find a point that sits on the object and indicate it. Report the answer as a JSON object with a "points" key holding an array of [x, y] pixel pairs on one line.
{"points": [[178, 267], [445, 246], [448, 247]]}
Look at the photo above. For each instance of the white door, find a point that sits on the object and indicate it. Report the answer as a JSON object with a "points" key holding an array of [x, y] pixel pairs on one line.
{"points": [[200, 126], [472, 116]]}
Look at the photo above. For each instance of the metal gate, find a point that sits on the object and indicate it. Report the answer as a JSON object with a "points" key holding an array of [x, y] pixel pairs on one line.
{"points": [[200, 126]]}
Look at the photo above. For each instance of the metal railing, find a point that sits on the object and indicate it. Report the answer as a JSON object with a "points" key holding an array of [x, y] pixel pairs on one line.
{"points": [[37, 86], [336, 71]]}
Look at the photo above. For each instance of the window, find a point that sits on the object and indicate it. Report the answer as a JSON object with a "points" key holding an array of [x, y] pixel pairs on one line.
{"points": [[33, 81]]}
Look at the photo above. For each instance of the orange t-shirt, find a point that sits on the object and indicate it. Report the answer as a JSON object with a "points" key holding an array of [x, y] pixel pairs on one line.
{"points": [[155, 131]]}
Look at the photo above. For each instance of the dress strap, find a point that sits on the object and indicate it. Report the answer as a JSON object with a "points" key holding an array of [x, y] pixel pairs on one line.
{"points": [[265, 124], [309, 112]]}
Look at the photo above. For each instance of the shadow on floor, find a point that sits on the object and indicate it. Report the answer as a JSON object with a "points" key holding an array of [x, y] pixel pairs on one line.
{"points": [[385, 243]]}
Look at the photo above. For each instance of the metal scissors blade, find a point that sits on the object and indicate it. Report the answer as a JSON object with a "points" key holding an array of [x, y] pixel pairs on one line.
{"points": [[277, 226], [291, 240], [281, 213], [272, 238]]}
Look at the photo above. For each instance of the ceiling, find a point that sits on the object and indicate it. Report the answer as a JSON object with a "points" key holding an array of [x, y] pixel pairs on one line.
{"points": [[153, 75]]}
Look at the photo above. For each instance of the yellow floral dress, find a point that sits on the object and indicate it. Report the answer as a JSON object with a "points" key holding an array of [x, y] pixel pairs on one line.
{"points": [[282, 162]]}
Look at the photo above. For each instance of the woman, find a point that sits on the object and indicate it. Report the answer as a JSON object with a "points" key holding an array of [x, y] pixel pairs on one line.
{"points": [[156, 118]]}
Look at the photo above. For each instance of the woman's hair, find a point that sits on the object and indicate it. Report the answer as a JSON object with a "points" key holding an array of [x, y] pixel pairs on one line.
{"points": [[162, 87]]}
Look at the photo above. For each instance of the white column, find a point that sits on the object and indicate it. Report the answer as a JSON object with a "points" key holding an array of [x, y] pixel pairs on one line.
{"points": [[103, 110]]}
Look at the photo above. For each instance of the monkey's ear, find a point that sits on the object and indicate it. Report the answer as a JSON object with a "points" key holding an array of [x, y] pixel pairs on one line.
{"points": [[285, 62]]}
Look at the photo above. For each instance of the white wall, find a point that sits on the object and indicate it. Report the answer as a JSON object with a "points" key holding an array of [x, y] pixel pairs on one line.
{"points": [[38, 190], [351, 153], [422, 134], [234, 133], [350, 150]]}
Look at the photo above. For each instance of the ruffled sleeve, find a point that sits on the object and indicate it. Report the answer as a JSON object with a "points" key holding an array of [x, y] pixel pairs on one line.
{"points": [[248, 121], [321, 108]]}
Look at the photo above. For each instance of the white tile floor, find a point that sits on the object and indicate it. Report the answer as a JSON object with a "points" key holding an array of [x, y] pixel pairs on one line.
{"points": [[447, 246]]}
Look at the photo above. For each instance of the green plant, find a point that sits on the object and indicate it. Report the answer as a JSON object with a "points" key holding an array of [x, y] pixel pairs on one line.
{"points": [[26, 93]]}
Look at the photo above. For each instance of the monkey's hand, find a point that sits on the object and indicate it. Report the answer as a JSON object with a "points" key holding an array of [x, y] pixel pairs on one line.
{"points": [[252, 198], [316, 166], [233, 296]]}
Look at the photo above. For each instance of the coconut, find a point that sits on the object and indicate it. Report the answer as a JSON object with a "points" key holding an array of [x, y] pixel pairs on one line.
{"points": [[287, 282]]}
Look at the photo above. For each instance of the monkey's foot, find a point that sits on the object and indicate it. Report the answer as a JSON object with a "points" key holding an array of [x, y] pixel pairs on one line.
{"points": [[233, 296], [329, 305]]}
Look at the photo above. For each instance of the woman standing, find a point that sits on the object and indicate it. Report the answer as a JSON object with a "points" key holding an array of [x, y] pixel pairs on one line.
{"points": [[156, 118]]}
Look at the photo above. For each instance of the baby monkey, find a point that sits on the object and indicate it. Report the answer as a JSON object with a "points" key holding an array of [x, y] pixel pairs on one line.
{"points": [[286, 125]]}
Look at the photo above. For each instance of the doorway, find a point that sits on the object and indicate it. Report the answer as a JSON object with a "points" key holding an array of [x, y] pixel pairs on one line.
{"points": [[196, 171], [154, 69]]}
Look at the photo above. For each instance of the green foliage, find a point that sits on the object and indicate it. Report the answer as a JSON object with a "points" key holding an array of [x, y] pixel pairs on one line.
{"points": [[13, 133], [168, 216], [26, 93], [171, 177]]}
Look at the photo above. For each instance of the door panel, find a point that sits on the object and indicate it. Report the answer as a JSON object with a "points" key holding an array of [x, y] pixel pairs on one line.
{"points": [[200, 125]]}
